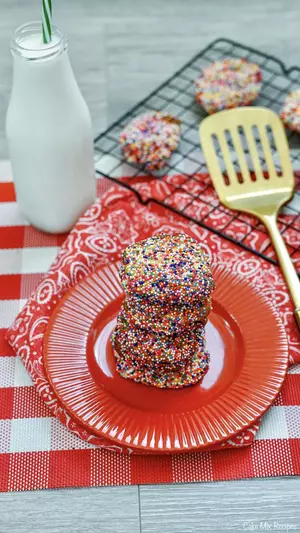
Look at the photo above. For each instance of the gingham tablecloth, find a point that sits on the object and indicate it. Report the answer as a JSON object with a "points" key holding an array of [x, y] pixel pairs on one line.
{"points": [[37, 451]]}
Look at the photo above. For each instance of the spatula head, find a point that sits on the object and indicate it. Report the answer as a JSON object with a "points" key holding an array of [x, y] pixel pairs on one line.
{"points": [[238, 139]]}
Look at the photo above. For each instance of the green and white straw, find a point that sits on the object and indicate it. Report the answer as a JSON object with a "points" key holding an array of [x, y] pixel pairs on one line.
{"points": [[47, 21]]}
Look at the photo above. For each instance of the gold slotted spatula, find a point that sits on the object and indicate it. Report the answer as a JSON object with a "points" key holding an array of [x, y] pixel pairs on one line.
{"points": [[259, 193]]}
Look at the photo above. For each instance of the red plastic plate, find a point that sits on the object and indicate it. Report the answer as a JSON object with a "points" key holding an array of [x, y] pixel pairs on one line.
{"points": [[249, 357]]}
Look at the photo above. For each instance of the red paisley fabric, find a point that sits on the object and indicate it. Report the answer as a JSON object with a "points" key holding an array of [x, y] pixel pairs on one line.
{"points": [[99, 237]]}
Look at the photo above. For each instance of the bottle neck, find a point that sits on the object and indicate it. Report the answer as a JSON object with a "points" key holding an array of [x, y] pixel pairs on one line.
{"points": [[43, 78], [44, 84], [27, 43]]}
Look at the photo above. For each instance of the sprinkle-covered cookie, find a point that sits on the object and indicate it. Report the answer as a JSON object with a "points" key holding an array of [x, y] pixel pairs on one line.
{"points": [[166, 319], [290, 114], [150, 139], [228, 83], [194, 370], [168, 269], [150, 349], [159, 339]]}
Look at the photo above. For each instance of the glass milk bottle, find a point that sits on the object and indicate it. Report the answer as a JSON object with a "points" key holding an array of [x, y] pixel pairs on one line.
{"points": [[49, 133]]}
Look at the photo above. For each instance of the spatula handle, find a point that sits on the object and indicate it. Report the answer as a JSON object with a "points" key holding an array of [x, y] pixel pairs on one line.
{"points": [[285, 262], [297, 316]]}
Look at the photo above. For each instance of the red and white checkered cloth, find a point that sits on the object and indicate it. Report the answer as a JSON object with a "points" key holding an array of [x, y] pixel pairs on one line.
{"points": [[37, 451]]}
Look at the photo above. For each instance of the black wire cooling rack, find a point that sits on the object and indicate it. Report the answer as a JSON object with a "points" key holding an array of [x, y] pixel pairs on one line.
{"points": [[185, 186]]}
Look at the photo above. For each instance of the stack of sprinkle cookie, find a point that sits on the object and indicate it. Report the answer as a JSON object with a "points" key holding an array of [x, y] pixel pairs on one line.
{"points": [[150, 139], [159, 339], [290, 113], [228, 83]]}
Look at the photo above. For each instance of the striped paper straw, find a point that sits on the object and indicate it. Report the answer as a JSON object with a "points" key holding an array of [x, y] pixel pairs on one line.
{"points": [[47, 21]]}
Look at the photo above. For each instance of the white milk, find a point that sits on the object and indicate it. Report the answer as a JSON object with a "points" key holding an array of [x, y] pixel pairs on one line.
{"points": [[49, 133]]}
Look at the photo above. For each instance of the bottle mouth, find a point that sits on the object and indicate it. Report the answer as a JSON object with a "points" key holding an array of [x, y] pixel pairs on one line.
{"points": [[27, 42]]}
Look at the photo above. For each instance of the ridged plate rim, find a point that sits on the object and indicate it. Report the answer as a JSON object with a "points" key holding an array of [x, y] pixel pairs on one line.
{"points": [[106, 416]]}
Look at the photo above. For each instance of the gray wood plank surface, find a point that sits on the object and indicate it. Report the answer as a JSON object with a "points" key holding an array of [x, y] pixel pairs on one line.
{"points": [[120, 50], [97, 510], [245, 505]]}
